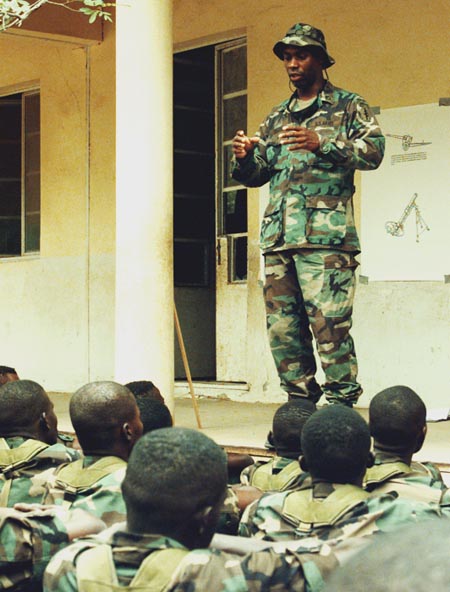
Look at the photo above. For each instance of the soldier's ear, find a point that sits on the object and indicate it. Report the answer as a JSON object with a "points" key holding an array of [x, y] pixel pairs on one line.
{"points": [[421, 438], [43, 422], [303, 464], [370, 460], [127, 431]]}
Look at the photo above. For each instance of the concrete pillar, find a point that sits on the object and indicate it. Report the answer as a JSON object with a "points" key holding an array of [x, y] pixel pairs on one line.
{"points": [[144, 205]]}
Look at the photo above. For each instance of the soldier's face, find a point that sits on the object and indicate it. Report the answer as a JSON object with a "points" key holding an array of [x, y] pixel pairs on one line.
{"points": [[302, 66]]}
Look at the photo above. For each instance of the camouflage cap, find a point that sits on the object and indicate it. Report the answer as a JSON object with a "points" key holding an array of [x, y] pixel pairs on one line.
{"points": [[303, 35]]}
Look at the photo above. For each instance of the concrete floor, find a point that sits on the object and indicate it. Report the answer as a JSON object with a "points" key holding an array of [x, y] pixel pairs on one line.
{"points": [[245, 425]]}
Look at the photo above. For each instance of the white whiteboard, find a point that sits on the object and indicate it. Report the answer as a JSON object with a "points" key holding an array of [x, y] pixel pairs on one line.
{"points": [[404, 238]]}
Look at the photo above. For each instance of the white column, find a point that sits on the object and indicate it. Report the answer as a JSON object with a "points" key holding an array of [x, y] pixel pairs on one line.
{"points": [[144, 205]]}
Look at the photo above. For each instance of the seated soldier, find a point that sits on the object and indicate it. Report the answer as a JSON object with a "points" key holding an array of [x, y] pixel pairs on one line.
{"points": [[282, 472], [336, 451], [145, 389], [30, 535], [107, 423], [28, 442], [173, 489], [397, 420], [154, 415], [7, 374]]}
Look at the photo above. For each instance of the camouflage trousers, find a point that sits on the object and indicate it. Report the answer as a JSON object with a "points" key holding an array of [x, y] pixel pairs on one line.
{"points": [[309, 294]]}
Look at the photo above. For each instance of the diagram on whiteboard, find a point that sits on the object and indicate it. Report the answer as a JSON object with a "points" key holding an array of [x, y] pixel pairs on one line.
{"points": [[405, 203], [398, 228], [407, 141]]}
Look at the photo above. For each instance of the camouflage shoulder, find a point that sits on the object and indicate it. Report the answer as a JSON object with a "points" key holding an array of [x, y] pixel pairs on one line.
{"points": [[60, 574], [61, 452], [27, 545], [397, 511], [263, 515], [217, 570]]}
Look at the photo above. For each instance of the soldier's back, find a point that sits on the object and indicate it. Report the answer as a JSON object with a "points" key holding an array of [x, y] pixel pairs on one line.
{"points": [[25, 466]]}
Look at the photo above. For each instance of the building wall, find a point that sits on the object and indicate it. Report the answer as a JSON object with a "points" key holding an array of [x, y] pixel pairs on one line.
{"points": [[394, 54], [58, 306]]}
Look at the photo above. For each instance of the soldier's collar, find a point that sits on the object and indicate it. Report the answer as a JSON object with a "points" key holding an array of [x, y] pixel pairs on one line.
{"points": [[327, 93]]}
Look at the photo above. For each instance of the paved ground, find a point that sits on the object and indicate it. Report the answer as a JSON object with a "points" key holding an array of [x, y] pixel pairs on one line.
{"points": [[245, 425]]}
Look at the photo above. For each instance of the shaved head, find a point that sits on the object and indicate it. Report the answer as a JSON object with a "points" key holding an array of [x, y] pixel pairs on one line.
{"points": [[172, 474], [336, 444], [21, 403], [397, 417], [26, 410], [98, 410]]}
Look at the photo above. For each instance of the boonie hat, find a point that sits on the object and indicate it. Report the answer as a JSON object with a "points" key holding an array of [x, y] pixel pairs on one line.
{"points": [[303, 35]]}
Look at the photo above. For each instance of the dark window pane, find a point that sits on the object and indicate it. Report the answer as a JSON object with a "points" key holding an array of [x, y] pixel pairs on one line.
{"points": [[32, 113], [32, 232], [32, 153], [234, 69], [191, 264], [10, 197], [192, 75], [239, 259], [10, 119], [10, 174], [234, 116], [10, 160], [235, 211], [192, 130], [10, 236], [228, 180], [194, 218], [32, 173], [194, 173]]}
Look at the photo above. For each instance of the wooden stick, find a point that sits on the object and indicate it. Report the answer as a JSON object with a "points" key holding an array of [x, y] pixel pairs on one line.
{"points": [[186, 366]]}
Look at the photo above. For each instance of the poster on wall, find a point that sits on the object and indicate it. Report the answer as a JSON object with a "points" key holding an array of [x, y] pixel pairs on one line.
{"points": [[405, 206]]}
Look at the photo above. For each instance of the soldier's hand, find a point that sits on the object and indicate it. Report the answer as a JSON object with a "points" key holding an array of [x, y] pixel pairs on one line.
{"points": [[243, 145], [77, 522], [299, 138]]}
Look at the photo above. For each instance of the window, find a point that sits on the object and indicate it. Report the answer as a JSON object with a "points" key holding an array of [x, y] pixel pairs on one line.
{"points": [[231, 60], [194, 224], [20, 194]]}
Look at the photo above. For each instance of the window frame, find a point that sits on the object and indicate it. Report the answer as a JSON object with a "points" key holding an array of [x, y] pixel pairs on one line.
{"points": [[25, 91], [221, 145]]}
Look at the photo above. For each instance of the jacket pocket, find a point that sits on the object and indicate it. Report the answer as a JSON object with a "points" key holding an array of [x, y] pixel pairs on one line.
{"points": [[272, 225], [325, 220]]}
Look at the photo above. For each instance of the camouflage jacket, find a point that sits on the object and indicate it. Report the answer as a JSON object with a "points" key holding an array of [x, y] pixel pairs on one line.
{"points": [[26, 546], [202, 570], [416, 481], [311, 193], [102, 497], [27, 483], [331, 512], [277, 474]]}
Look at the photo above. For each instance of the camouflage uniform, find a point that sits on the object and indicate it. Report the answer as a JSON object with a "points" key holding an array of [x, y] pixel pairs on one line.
{"points": [[26, 546], [331, 513], [416, 481], [103, 498], [308, 233], [277, 474], [202, 570], [230, 514], [27, 483]]}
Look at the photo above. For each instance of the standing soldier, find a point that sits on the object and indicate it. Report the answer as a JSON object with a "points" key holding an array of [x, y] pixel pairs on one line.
{"points": [[309, 147]]}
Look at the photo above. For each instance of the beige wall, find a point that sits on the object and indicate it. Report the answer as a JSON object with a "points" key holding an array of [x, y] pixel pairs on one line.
{"points": [[58, 306], [394, 54], [58, 321]]}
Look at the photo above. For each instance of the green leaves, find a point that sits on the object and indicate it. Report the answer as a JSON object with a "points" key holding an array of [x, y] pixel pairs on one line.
{"points": [[14, 12]]}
